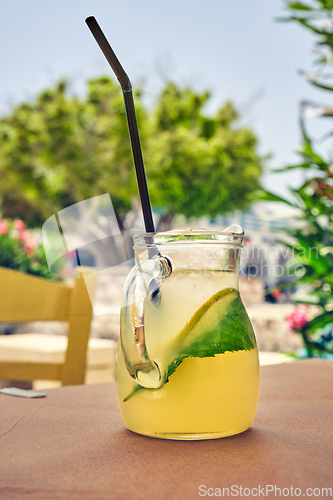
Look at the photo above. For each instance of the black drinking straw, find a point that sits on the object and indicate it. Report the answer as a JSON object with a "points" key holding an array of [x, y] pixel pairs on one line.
{"points": [[131, 119]]}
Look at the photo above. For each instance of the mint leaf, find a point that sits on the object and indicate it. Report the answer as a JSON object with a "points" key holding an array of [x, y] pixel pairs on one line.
{"points": [[230, 332], [217, 326]]}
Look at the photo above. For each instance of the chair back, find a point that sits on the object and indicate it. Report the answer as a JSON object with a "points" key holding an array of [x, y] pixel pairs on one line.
{"points": [[25, 298]]}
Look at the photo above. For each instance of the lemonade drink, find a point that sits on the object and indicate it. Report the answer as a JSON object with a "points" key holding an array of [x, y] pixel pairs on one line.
{"points": [[197, 328]]}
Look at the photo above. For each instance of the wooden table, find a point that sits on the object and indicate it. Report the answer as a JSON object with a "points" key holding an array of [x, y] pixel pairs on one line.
{"points": [[73, 445]]}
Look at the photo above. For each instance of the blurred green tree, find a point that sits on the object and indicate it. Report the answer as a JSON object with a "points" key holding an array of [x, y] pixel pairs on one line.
{"points": [[200, 165], [60, 149]]}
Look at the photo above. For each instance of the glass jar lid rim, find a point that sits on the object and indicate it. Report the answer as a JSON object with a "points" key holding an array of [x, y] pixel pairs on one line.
{"points": [[233, 234]]}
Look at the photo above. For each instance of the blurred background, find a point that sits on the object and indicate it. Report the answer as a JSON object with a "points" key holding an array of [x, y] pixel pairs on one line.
{"points": [[234, 110]]}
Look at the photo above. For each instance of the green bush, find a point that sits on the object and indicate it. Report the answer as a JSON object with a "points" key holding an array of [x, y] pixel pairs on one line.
{"points": [[20, 251]]}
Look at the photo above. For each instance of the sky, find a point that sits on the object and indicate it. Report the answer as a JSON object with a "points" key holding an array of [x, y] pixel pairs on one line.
{"points": [[237, 50]]}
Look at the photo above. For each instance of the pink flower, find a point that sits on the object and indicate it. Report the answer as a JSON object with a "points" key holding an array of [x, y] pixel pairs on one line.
{"points": [[18, 224], [29, 244], [29, 248], [23, 235], [298, 318], [3, 226]]}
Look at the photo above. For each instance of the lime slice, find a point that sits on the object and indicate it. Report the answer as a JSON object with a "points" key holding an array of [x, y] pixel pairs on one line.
{"points": [[205, 319], [221, 324]]}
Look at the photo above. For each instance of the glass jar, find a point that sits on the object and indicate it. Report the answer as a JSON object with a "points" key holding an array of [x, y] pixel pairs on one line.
{"points": [[187, 362]]}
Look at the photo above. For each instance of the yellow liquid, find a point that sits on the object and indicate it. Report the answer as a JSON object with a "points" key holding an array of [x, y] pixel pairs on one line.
{"points": [[205, 398]]}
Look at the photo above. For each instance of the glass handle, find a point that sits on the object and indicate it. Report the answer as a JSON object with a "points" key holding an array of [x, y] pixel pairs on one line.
{"points": [[142, 282]]}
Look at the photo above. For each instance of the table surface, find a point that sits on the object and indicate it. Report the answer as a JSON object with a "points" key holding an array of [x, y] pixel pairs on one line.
{"points": [[73, 445]]}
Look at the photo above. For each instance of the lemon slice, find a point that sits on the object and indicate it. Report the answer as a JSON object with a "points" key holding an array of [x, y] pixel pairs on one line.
{"points": [[221, 324], [205, 319]]}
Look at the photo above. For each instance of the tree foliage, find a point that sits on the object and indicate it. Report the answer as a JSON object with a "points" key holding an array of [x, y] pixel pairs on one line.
{"points": [[60, 149], [200, 165]]}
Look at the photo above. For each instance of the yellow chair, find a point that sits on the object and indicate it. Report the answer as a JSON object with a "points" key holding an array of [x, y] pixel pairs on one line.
{"points": [[25, 298]]}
